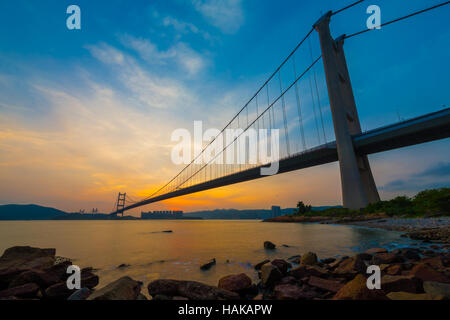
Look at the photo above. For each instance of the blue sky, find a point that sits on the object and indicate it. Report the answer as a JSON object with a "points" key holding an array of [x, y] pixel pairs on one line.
{"points": [[87, 113]]}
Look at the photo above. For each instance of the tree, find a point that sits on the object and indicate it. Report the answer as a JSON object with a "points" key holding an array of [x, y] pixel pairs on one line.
{"points": [[302, 208]]}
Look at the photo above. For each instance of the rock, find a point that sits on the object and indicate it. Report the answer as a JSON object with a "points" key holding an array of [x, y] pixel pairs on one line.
{"points": [[41, 278], [16, 260], [161, 297], [60, 270], [357, 290], [269, 245], [426, 273], [400, 284], [167, 231], [309, 258], [306, 271], [364, 256], [189, 289], [408, 296], [81, 294], [437, 290], [28, 290], [208, 265], [288, 280], [394, 270], [386, 258], [338, 262], [270, 274], [142, 297], [376, 250], [89, 280], [239, 283], [122, 266], [351, 266], [328, 260], [286, 246], [437, 263], [327, 285], [259, 265], [282, 265], [411, 254], [58, 291], [288, 292], [124, 288]]}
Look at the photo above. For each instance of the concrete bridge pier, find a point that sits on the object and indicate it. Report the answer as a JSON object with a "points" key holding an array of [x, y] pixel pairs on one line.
{"points": [[357, 182]]}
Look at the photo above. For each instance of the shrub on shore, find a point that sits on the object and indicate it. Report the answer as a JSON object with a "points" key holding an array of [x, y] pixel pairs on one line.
{"points": [[434, 202]]}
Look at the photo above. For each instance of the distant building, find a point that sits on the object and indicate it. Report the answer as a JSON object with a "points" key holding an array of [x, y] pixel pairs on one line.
{"points": [[276, 211], [162, 215]]}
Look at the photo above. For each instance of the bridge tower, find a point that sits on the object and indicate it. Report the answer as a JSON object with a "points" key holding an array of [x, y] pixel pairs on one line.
{"points": [[357, 182], [120, 203]]}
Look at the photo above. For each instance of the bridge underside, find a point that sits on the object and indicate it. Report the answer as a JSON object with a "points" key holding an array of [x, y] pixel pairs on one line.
{"points": [[430, 127]]}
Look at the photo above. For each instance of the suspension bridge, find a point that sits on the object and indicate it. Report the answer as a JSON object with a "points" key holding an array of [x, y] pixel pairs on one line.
{"points": [[304, 142]]}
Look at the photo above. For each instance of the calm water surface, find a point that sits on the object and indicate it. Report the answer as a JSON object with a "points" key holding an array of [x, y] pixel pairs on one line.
{"points": [[152, 254]]}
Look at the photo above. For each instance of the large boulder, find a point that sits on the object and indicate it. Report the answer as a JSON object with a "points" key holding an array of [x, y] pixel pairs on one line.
{"points": [[28, 290], [270, 274], [124, 288], [309, 258], [59, 291], [189, 289], [401, 284], [357, 290], [437, 290], [16, 260], [239, 283], [324, 284], [427, 273], [42, 278], [351, 265]]}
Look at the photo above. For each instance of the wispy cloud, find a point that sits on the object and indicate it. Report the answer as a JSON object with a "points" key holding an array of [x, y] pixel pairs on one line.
{"points": [[184, 56], [227, 15]]}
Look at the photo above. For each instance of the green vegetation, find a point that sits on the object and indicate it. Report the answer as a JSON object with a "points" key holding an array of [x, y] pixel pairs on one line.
{"points": [[435, 202]]}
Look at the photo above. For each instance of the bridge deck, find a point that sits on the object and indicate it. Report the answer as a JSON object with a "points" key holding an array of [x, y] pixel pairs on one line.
{"points": [[430, 127]]}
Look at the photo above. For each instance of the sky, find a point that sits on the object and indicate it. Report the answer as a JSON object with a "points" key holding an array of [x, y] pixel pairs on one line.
{"points": [[85, 114]]}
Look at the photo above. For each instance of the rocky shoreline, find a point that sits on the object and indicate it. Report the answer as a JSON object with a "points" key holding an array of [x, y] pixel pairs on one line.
{"points": [[428, 229], [28, 273]]}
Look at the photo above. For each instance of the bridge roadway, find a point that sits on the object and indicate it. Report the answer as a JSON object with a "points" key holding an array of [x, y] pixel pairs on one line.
{"points": [[426, 128]]}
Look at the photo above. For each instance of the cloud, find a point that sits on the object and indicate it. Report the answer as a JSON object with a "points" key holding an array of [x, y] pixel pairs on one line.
{"points": [[227, 15], [436, 176], [180, 53], [149, 89]]}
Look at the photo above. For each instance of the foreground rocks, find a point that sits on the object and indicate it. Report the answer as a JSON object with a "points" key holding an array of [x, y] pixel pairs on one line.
{"points": [[406, 274], [34, 273]]}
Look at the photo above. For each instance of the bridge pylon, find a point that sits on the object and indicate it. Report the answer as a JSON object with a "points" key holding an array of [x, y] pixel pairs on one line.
{"points": [[120, 205], [357, 182]]}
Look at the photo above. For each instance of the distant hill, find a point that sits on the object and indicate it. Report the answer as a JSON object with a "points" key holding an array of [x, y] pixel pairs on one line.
{"points": [[29, 212]]}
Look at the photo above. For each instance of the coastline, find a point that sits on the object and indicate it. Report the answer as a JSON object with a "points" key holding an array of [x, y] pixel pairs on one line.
{"points": [[428, 229]]}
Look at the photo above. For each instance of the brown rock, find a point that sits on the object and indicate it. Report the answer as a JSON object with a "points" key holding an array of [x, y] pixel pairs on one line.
{"points": [[270, 274], [288, 292], [282, 265], [89, 280], [400, 284], [394, 270], [124, 288], [357, 290], [58, 291], [208, 265], [327, 285], [28, 290], [309, 258], [269, 245], [351, 265], [426, 273], [42, 278], [238, 283], [437, 290], [306, 271], [386, 258], [189, 289]]}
